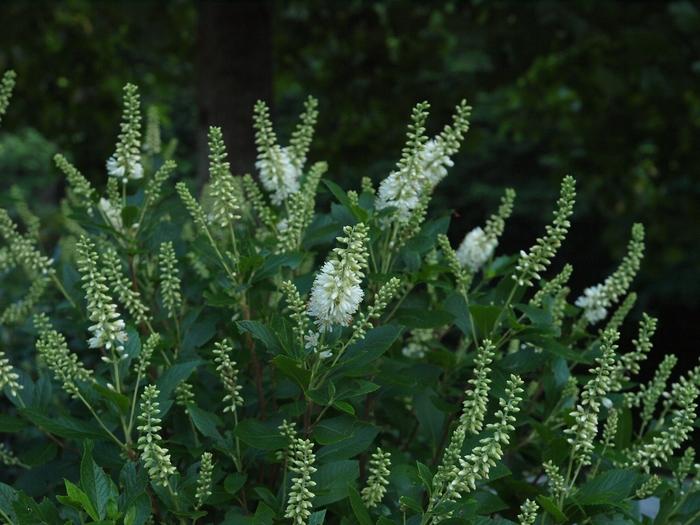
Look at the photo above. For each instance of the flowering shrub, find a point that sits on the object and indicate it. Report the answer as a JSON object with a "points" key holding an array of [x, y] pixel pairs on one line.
{"points": [[241, 357]]}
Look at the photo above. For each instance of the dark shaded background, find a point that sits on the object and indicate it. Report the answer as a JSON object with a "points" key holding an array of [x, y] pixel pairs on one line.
{"points": [[609, 92]]}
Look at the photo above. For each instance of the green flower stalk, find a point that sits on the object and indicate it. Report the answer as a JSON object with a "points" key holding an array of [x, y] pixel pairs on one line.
{"points": [[378, 479], [7, 84], [170, 280], [367, 186], [300, 210], [155, 457], [126, 161], [585, 415], [535, 261], [478, 245], [184, 395], [127, 295], [301, 462], [621, 313], [297, 309], [83, 192], [596, 300], [610, 428], [108, 330], [143, 360], [155, 183], [553, 287], [684, 465], [206, 469], [224, 192], [477, 464], [462, 277], [152, 141], [20, 309], [629, 362], [661, 447], [648, 487], [257, 202], [556, 482], [473, 413], [8, 377], [228, 373], [303, 134], [64, 364], [528, 513], [30, 220], [336, 293], [381, 300], [23, 248], [650, 394]]}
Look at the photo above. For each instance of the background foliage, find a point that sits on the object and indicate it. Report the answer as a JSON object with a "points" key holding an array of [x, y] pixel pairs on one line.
{"points": [[605, 91]]}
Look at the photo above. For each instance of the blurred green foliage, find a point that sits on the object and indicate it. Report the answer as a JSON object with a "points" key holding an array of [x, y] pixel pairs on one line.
{"points": [[608, 92]]}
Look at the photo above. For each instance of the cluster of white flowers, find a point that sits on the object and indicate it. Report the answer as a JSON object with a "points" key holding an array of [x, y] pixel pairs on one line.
{"points": [[378, 479], [126, 161], [155, 457], [596, 300], [336, 293], [476, 249], [423, 164], [281, 168], [417, 345], [278, 174], [301, 462], [112, 213], [404, 188], [594, 303], [109, 328]]}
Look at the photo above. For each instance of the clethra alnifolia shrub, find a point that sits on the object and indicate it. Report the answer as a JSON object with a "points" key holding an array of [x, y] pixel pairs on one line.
{"points": [[238, 354]]}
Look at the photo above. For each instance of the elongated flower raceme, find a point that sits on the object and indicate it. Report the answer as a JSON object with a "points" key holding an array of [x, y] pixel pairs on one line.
{"points": [[301, 462], [478, 245], [228, 373], [8, 377], [53, 350], [378, 479], [556, 482], [585, 425], [206, 469], [22, 248], [336, 293], [596, 300], [83, 192], [281, 168], [119, 282], [155, 457], [225, 196], [423, 163], [126, 161], [7, 84], [108, 330], [478, 463], [170, 279], [528, 513], [473, 411], [152, 140], [533, 262]]}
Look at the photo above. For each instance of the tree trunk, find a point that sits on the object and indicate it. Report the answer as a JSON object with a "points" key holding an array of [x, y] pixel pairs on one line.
{"points": [[234, 70]]}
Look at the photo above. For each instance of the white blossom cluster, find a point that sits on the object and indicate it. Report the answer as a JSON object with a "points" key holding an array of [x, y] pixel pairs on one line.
{"points": [[278, 174], [476, 249], [336, 293], [126, 161]]}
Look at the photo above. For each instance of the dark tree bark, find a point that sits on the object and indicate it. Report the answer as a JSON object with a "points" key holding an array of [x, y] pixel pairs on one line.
{"points": [[234, 70]]}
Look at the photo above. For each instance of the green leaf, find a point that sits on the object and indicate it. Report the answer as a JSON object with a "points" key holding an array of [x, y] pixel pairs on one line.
{"points": [[7, 496], [548, 505], [290, 368], [332, 480], [426, 477], [93, 480], [260, 435], [358, 507], [484, 317], [206, 422], [11, 424], [234, 482], [376, 342], [120, 401], [317, 517], [63, 426], [276, 261], [611, 486], [80, 499], [422, 318], [357, 442], [262, 333], [344, 406], [175, 375], [332, 430], [410, 503]]}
